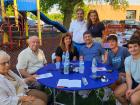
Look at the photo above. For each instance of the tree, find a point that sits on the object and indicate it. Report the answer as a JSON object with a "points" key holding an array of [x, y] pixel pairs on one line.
{"points": [[67, 6]]}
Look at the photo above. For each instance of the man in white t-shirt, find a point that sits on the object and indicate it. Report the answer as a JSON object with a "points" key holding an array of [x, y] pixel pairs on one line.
{"points": [[77, 28]]}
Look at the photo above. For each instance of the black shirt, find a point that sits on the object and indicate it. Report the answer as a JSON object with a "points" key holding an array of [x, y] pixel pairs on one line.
{"points": [[96, 29], [59, 53]]}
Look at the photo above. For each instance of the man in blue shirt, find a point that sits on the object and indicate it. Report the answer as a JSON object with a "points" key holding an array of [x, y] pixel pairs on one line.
{"points": [[117, 54], [91, 49]]}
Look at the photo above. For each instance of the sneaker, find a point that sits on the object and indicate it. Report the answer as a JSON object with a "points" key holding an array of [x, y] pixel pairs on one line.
{"points": [[107, 93]]}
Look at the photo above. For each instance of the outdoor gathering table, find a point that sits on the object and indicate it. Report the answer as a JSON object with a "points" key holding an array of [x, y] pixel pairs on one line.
{"points": [[92, 83]]}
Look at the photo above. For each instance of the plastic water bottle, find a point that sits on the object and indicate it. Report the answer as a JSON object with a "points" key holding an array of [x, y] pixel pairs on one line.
{"points": [[81, 66], [63, 57], [66, 63], [84, 81], [94, 68], [67, 55]]}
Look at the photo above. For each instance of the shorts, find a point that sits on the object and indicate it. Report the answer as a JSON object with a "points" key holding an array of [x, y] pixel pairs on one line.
{"points": [[134, 83]]}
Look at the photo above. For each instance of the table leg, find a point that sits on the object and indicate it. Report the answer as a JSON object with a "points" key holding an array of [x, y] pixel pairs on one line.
{"points": [[54, 96], [74, 97]]}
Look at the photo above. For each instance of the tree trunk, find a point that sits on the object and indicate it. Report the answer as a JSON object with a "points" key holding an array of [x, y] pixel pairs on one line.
{"points": [[67, 16]]}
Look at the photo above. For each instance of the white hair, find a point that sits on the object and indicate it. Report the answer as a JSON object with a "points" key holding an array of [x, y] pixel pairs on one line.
{"points": [[32, 37], [3, 54]]}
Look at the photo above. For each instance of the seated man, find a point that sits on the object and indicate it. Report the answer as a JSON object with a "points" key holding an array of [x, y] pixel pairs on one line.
{"points": [[31, 59], [89, 51], [92, 49], [130, 91], [117, 55]]}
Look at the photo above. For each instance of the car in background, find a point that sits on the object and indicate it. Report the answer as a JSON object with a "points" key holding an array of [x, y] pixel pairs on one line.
{"points": [[31, 22], [130, 24], [110, 22]]}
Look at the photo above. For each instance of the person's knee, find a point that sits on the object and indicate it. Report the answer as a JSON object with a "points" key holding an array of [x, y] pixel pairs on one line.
{"points": [[39, 94], [117, 94], [38, 102], [135, 100]]}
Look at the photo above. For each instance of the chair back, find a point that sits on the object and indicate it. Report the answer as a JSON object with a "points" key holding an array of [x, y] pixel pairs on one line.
{"points": [[53, 57]]}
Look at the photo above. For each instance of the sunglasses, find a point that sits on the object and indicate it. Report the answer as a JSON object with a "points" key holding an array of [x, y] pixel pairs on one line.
{"points": [[4, 63]]}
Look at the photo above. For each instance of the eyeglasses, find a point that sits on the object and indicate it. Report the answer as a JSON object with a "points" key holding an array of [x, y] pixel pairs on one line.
{"points": [[4, 63]]}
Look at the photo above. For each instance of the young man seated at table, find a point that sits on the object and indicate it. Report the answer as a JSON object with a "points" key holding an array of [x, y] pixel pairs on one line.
{"points": [[116, 57], [89, 51], [92, 49], [31, 59], [130, 91]]}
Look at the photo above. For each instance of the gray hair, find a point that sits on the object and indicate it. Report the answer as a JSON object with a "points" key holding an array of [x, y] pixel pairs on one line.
{"points": [[3, 54], [32, 37]]}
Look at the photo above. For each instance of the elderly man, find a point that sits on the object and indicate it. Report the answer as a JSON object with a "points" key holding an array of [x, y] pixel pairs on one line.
{"points": [[31, 59]]}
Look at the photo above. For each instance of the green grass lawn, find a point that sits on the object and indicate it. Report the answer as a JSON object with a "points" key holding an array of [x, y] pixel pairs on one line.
{"points": [[66, 98]]}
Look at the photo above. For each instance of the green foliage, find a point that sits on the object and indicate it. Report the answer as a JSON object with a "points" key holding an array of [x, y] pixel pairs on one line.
{"points": [[9, 11], [56, 17]]}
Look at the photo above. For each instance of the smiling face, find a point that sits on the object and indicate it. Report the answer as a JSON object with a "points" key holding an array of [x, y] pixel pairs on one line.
{"points": [[113, 44], [4, 64], [34, 43], [80, 15], [93, 17], [67, 40], [88, 39], [134, 49]]}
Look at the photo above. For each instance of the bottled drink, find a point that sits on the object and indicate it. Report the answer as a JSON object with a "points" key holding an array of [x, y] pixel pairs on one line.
{"points": [[84, 81], [67, 55], [94, 68], [94, 62], [63, 57], [66, 68], [81, 66], [66, 63]]}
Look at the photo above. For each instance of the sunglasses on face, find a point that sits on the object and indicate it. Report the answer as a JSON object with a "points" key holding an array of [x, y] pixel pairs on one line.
{"points": [[4, 63]]}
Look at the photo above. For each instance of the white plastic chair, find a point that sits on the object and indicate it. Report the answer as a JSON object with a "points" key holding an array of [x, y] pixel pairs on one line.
{"points": [[53, 56]]}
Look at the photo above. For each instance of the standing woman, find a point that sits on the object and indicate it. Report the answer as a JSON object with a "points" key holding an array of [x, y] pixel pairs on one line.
{"points": [[94, 25], [66, 45]]}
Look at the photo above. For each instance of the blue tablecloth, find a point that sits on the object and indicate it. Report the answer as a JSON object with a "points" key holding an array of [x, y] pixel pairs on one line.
{"points": [[92, 83]]}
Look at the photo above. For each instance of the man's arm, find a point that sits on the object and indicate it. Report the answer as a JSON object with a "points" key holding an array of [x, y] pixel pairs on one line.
{"points": [[24, 73]]}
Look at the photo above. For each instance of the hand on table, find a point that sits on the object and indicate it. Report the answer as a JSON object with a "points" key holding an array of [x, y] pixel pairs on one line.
{"points": [[31, 78]]}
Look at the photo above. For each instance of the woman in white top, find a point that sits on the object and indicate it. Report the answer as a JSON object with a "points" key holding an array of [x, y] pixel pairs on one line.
{"points": [[12, 87]]}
